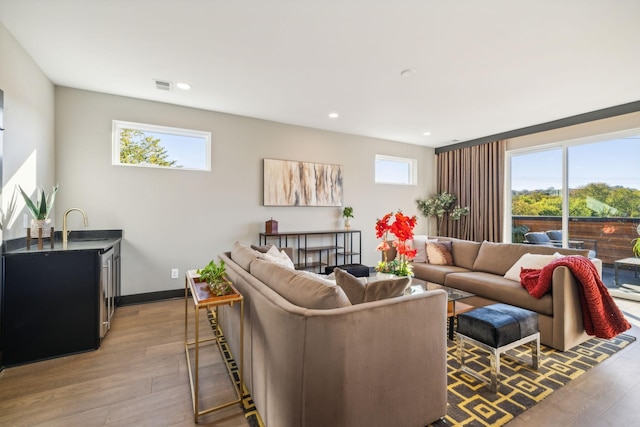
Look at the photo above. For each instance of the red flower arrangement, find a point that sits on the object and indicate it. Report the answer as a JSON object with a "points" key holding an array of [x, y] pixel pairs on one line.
{"points": [[402, 228]]}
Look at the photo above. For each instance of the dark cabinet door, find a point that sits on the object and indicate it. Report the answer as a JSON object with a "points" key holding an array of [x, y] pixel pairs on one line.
{"points": [[50, 305]]}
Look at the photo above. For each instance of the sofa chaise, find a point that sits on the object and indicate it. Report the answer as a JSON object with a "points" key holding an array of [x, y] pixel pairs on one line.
{"points": [[480, 268]]}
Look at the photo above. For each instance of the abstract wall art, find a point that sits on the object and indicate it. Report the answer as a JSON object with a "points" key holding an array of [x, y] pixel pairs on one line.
{"points": [[291, 183]]}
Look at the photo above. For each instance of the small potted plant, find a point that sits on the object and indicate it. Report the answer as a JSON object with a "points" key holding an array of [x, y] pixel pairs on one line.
{"points": [[40, 210], [636, 244], [347, 214], [214, 275]]}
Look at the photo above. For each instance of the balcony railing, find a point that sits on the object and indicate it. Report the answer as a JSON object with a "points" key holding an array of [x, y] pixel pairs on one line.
{"points": [[610, 237]]}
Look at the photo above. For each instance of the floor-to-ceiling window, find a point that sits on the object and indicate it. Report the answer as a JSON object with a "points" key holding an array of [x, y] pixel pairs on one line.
{"points": [[586, 191]]}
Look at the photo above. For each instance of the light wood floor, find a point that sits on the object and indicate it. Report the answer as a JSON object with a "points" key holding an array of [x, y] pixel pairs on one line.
{"points": [[138, 378]]}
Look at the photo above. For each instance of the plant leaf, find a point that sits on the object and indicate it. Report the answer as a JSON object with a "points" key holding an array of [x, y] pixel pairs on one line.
{"points": [[27, 200]]}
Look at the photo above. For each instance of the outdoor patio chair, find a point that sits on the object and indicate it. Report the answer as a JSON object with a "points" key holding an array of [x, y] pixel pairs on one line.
{"points": [[539, 238], [556, 238]]}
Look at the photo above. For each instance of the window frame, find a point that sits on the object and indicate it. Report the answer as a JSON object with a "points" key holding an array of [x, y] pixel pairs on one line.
{"points": [[411, 163], [564, 145], [118, 125]]}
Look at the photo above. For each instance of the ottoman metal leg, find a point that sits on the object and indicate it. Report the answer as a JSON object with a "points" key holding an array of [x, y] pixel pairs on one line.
{"points": [[494, 357]]}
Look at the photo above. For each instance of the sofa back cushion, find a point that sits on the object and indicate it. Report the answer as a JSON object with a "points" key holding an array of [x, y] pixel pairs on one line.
{"points": [[362, 289], [498, 258], [303, 290], [464, 251], [243, 255]]}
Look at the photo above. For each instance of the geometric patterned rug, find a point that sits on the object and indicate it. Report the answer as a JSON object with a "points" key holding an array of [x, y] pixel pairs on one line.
{"points": [[470, 403], [249, 408]]}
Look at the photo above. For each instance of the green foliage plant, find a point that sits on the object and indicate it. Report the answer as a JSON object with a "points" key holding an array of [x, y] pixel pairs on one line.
{"points": [[347, 212], [138, 148], [6, 217], [636, 247], [440, 206], [41, 207], [214, 275]]}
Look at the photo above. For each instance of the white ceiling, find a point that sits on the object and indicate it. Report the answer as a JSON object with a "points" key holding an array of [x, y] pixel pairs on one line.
{"points": [[481, 67]]}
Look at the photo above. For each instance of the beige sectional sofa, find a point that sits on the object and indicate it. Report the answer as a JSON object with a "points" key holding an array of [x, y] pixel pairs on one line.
{"points": [[313, 359], [479, 268]]}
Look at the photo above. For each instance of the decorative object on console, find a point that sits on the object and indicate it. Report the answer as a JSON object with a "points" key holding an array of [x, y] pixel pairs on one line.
{"points": [[402, 228], [215, 277], [441, 205], [290, 183], [40, 210], [347, 213], [271, 226]]}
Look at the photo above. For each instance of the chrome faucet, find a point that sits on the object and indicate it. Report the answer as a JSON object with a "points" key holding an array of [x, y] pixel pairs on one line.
{"points": [[65, 233]]}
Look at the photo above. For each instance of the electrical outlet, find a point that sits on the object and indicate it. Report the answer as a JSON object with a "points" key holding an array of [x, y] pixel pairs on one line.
{"points": [[174, 273]]}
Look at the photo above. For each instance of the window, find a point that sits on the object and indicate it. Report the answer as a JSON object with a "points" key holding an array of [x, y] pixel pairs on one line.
{"points": [[582, 194], [396, 170], [137, 144]]}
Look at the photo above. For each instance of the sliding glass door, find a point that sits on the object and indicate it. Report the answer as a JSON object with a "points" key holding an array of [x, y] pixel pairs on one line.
{"points": [[583, 194], [536, 192]]}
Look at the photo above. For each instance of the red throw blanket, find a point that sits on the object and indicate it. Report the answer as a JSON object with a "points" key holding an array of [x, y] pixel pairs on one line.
{"points": [[600, 314]]}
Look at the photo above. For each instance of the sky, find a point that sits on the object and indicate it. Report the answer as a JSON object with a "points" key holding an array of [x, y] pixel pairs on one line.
{"points": [[615, 162], [189, 152]]}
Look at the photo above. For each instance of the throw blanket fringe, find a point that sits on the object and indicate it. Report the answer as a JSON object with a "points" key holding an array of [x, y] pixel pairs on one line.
{"points": [[600, 314]]}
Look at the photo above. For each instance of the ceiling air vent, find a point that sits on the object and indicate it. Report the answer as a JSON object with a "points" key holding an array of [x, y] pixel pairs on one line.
{"points": [[164, 85]]}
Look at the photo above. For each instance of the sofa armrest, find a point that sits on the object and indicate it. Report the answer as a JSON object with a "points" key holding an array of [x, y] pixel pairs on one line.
{"points": [[568, 327], [383, 353]]}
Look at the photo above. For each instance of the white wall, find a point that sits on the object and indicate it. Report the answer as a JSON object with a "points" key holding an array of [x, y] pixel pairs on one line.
{"points": [[183, 219], [29, 122]]}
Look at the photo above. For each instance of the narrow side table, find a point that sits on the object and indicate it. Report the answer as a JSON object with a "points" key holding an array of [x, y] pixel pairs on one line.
{"points": [[202, 300]]}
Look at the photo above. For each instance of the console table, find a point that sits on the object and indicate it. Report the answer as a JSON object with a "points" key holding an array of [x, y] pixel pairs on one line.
{"points": [[203, 300], [313, 249]]}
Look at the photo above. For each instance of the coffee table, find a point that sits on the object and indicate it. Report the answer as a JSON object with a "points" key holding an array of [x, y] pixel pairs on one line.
{"points": [[454, 305]]}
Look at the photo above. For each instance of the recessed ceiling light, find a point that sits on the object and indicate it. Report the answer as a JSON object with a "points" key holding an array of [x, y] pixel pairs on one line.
{"points": [[334, 115], [183, 86], [427, 133]]}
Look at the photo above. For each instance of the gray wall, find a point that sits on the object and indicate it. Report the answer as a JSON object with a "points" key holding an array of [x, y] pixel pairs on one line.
{"points": [[177, 219], [183, 219], [29, 121]]}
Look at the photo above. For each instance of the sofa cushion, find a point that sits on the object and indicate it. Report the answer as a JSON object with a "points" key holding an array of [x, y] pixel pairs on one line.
{"points": [[529, 261], [494, 287], [464, 252], [359, 289], [419, 243], [439, 253], [351, 285], [435, 273], [386, 288], [497, 258], [243, 255], [277, 256], [298, 288]]}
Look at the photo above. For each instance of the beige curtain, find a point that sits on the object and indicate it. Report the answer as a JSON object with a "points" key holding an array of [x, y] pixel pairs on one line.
{"points": [[476, 176]]}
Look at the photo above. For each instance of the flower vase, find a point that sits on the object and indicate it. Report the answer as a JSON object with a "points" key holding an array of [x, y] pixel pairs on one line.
{"points": [[347, 223]]}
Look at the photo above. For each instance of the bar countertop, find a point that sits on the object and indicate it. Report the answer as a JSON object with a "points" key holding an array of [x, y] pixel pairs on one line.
{"points": [[78, 240]]}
